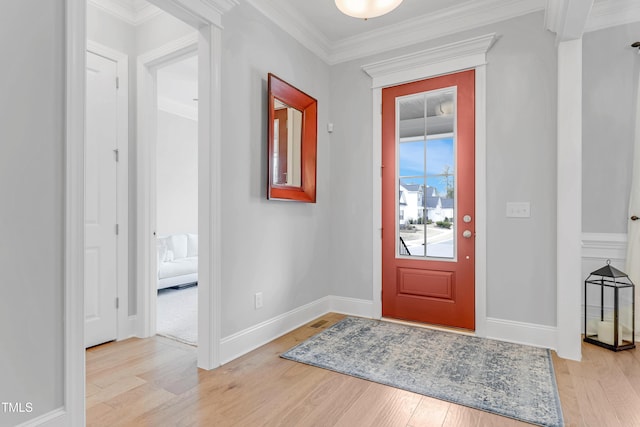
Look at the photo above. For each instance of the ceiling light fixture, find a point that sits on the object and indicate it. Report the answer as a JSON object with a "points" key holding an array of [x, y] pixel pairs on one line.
{"points": [[366, 9]]}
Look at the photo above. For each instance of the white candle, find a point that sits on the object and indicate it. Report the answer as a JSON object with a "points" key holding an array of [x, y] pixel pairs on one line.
{"points": [[605, 333], [592, 326]]}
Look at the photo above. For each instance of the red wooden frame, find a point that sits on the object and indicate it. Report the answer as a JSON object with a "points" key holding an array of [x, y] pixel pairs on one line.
{"points": [[299, 100]]}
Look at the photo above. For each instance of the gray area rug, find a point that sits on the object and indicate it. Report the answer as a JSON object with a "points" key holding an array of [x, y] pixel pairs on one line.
{"points": [[177, 314], [507, 379]]}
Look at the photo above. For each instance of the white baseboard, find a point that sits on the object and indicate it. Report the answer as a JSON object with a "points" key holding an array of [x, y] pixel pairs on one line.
{"points": [[242, 342], [351, 306], [132, 326], [521, 333], [56, 418], [249, 339]]}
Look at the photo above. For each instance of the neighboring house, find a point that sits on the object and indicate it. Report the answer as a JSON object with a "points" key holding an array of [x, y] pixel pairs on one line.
{"points": [[414, 198], [411, 203]]}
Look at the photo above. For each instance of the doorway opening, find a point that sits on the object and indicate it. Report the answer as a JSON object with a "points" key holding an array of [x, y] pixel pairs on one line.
{"points": [[156, 41], [176, 196]]}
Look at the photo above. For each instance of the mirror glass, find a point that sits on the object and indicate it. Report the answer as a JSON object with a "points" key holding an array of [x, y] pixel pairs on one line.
{"points": [[287, 144], [293, 124]]}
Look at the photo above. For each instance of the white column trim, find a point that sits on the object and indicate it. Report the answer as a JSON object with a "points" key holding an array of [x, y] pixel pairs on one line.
{"points": [[466, 54], [569, 202]]}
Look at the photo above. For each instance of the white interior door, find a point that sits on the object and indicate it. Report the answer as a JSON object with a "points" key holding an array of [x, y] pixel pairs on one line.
{"points": [[101, 321]]}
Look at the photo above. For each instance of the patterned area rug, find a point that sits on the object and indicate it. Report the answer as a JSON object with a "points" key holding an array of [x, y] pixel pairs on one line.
{"points": [[507, 379]]}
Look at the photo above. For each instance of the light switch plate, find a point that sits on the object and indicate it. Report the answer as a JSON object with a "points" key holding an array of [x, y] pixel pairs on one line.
{"points": [[518, 210]]}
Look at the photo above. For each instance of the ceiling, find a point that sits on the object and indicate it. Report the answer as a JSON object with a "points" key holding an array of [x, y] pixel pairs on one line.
{"points": [[336, 38], [325, 17]]}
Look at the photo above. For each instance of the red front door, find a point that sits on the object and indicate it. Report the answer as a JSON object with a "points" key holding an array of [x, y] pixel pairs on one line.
{"points": [[428, 203]]}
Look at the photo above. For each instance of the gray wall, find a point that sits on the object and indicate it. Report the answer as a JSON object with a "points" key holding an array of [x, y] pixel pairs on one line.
{"points": [[31, 211], [275, 247], [521, 162], [610, 79]]}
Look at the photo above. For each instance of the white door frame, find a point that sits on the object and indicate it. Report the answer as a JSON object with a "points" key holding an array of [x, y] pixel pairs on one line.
{"points": [[126, 324], [207, 19], [147, 66], [458, 56], [209, 37]]}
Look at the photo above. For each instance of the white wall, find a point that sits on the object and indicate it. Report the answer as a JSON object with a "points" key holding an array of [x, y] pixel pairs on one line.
{"points": [[275, 247], [31, 207], [521, 153], [610, 78], [177, 174]]}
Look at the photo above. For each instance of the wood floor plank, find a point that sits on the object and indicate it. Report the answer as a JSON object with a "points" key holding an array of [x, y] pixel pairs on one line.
{"points": [[115, 389], [155, 382], [461, 416], [380, 405], [429, 413], [325, 405], [143, 398], [594, 405]]}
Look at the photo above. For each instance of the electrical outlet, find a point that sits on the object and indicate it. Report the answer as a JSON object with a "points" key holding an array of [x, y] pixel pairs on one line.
{"points": [[518, 210], [258, 300]]}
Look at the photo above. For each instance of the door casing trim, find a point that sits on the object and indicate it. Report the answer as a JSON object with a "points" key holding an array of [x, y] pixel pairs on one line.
{"points": [[454, 57]]}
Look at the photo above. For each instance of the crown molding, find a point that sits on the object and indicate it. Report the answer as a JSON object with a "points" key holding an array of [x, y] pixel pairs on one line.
{"points": [[221, 6], [567, 18], [611, 13], [460, 55], [133, 12], [466, 16], [448, 21], [136, 12], [296, 25]]}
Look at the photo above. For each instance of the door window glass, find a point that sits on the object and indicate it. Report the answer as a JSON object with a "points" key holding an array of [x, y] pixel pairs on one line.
{"points": [[426, 145]]}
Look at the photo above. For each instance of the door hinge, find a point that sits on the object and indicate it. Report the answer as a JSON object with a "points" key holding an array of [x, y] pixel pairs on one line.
{"points": [[117, 302], [381, 108], [117, 229], [381, 229], [381, 169], [116, 152], [117, 82]]}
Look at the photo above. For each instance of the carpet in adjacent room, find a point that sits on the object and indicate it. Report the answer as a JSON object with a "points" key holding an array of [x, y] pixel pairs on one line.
{"points": [[177, 314]]}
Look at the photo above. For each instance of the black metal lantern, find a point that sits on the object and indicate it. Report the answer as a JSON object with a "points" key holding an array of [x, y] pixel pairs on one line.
{"points": [[612, 326]]}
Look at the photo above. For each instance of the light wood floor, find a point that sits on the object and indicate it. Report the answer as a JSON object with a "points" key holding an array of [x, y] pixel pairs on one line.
{"points": [[155, 382]]}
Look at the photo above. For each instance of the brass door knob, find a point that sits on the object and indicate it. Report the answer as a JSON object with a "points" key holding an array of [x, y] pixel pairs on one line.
{"points": [[634, 218]]}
